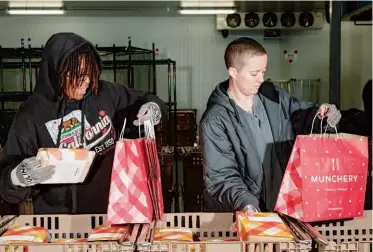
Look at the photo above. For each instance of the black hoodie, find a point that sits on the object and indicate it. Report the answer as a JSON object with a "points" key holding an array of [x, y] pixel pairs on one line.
{"points": [[38, 124]]}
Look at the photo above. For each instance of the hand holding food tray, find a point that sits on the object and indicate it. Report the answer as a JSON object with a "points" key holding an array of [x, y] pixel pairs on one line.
{"points": [[71, 165]]}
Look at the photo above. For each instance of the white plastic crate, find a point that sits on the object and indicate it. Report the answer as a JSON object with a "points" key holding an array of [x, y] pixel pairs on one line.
{"points": [[365, 246], [358, 229], [207, 225], [217, 225]]}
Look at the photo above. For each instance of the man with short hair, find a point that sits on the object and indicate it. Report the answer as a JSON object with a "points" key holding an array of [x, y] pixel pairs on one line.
{"points": [[247, 132]]}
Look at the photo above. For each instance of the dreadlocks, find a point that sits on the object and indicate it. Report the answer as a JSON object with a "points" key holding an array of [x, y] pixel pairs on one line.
{"points": [[75, 71]]}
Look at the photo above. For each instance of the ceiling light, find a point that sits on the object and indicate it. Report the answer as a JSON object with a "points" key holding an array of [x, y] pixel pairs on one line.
{"points": [[208, 4], [36, 12], [35, 4], [206, 11]]}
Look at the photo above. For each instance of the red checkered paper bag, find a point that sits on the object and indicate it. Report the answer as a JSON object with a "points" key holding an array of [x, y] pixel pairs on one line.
{"points": [[154, 171], [325, 178], [132, 197]]}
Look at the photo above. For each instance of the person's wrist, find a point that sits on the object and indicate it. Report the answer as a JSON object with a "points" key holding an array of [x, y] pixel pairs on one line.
{"points": [[153, 103], [250, 209], [157, 113], [154, 106], [14, 178]]}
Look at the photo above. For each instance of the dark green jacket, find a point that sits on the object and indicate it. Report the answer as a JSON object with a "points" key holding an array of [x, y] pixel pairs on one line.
{"points": [[233, 173]]}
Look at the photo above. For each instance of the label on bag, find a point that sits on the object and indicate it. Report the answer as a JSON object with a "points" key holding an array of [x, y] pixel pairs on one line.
{"points": [[325, 178]]}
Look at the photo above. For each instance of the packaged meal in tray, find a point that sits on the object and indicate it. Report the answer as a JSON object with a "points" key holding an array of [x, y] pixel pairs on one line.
{"points": [[262, 226], [119, 233], [173, 234], [25, 234]]}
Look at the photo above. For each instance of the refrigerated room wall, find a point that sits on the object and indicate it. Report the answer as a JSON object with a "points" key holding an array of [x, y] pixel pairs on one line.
{"points": [[198, 49]]}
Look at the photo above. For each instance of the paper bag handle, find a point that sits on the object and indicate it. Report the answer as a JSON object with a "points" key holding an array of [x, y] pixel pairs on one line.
{"points": [[122, 131], [313, 121], [149, 129], [148, 126], [335, 128]]}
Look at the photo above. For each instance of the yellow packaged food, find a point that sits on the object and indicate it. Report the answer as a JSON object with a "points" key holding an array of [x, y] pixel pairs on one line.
{"points": [[259, 227], [110, 233], [173, 234], [25, 234]]}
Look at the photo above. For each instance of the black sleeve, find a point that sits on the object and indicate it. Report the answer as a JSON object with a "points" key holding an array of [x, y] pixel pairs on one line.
{"points": [[15, 150], [222, 179], [124, 98], [302, 114]]}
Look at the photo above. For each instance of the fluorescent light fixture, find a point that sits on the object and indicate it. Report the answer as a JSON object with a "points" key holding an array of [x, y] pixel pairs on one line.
{"points": [[207, 4], [35, 12], [35, 4], [206, 11]]}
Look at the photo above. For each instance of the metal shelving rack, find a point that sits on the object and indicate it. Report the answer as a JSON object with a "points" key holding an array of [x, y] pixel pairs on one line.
{"points": [[304, 89]]}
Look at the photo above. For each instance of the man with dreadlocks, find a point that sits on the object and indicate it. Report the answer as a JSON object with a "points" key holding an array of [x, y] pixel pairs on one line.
{"points": [[69, 108]]}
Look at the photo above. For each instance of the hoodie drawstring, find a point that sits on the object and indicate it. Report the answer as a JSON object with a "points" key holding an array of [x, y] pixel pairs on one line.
{"points": [[74, 191], [82, 143], [82, 138], [74, 196], [73, 187], [63, 108]]}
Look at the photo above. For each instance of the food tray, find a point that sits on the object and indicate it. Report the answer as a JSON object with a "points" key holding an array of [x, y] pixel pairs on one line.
{"points": [[346, 236], [217, 225], [63, 227]]}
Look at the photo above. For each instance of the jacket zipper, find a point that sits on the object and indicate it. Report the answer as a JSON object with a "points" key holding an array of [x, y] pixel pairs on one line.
{"points": [[284, 110], [279, 152], [264, 193]]}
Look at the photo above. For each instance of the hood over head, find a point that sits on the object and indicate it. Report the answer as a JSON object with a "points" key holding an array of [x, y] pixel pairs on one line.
{"points": [[57, 49]]}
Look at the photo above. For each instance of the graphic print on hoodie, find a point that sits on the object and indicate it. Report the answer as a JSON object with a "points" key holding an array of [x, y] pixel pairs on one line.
{"points": [[98, 137], [38, 123]]}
